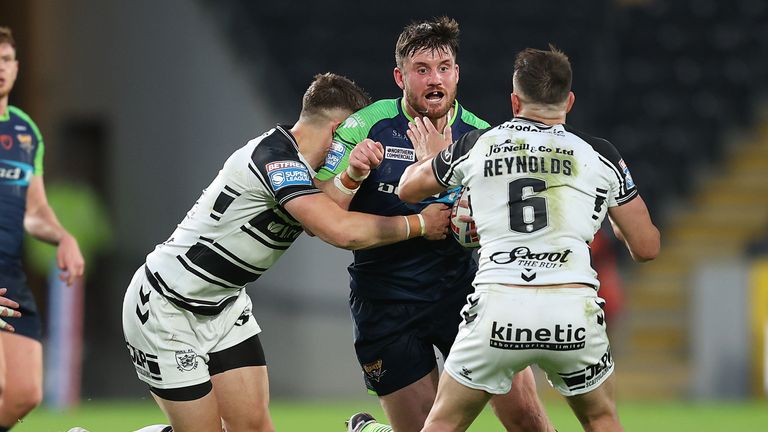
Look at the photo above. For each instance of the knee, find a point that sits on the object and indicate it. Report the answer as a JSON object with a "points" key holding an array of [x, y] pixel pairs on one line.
{"points": [[527, 421], [20, 402], [257, 421], [522, 417], [600, 421]]}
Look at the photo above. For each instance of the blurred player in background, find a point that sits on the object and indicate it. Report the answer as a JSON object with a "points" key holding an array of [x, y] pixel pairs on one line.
{"points": [[405, 298], [23, 205], [605, 264], [186, 315], [536, 293]]}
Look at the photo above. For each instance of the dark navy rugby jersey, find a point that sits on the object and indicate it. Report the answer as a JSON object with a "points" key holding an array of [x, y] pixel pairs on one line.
{"points": [[21, 157], [417, 269]]}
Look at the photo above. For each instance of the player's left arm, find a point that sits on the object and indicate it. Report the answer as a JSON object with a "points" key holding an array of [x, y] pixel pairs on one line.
{"points": [[441, 170], [41, 223], [418, 182]]}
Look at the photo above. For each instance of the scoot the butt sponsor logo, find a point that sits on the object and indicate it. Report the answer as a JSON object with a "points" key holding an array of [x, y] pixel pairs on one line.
{"points": [[560, 338], [524, 257]]}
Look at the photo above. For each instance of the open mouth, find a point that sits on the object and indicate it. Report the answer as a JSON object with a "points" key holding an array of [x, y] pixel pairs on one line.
{"points": [[435, 96]]}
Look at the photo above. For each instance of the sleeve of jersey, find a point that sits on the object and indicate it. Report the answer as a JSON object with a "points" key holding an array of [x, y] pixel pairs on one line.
{"points": [[282, 174], [40, 152], [623, 188], [447, 166], [351, 132]]}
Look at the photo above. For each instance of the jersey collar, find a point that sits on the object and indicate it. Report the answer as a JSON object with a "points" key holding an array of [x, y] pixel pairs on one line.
{"points": [[451, 114]]}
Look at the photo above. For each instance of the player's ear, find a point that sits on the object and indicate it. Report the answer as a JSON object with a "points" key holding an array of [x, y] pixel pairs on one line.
{"points": [[457, 73], [398, 74], [515, 103], [571, 100]]}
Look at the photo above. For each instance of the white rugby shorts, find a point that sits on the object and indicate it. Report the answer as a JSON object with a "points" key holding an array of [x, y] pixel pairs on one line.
{"points": [[168, 345], [505, 329]]}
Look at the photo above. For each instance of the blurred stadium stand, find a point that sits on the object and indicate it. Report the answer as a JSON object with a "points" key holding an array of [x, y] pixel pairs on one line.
{"points": [[668, 82]]}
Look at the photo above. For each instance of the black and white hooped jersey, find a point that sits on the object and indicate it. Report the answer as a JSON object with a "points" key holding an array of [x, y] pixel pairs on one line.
{"points": [[238, 228], [538, 194]]}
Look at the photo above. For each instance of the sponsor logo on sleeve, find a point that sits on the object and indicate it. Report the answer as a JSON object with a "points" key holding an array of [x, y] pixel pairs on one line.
{"points": [[335, 155], [627, 176], [25, 142], [288, 173], [446, 155], [353, 121], [399, 153]]}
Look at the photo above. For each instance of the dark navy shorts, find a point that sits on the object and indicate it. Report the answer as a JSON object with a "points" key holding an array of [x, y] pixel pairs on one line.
{"points": [[29, 323], [394, 340]]}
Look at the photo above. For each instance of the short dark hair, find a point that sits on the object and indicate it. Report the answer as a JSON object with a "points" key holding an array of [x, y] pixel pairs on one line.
{"points": [[439, 34], [543, 76], [6, 36], [330, 91]]}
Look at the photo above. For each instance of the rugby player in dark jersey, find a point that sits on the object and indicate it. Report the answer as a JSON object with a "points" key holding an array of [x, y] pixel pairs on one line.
{"points": [[406, 297], [23, 205]]}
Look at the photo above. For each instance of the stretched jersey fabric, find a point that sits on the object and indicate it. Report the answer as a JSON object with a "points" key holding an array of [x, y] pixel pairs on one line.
{"points": [[413, 270], [21, 157], [538, 194], [237, 229]]}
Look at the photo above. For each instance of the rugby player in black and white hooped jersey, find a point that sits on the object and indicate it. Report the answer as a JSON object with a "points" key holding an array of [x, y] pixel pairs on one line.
{"points": [[186, 317], [535, 299]]}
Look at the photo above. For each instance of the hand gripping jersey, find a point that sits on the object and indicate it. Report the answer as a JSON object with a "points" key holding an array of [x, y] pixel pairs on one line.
{"points": [[539, 194], [21, 157], [237, 229], [416, 269]]}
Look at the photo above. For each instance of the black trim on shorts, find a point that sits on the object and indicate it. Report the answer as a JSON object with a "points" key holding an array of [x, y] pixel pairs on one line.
{"points": [[183, 394], [247, 353]]}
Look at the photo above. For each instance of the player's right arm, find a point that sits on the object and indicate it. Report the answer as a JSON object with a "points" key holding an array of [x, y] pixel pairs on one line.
{"points": [[348, 135], [632, 225], [363, 157], [353, 230]]}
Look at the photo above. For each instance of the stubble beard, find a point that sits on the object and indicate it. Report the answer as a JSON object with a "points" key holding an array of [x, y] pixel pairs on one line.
{"points": [[435, 113]]}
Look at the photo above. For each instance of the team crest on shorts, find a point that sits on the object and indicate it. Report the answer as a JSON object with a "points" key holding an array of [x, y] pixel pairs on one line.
{"points": [[186, 360], [373, 371]]}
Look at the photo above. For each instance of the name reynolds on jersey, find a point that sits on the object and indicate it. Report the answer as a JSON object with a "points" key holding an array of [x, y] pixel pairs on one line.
{"points": [[526, 164]]}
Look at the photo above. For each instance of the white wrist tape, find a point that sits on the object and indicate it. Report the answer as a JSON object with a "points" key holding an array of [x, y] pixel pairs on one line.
{"points": [[354, 177], [407, 228], [340, 185], [421, 222]]}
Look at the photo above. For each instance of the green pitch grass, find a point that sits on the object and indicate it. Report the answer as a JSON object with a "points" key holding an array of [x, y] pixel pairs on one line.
{"points": [[329, 417]]}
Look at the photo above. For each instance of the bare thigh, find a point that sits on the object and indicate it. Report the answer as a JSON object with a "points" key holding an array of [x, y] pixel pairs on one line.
{"points": [[199, 415], [456, 406], [407, 408], [20, 391], [520, 410], [243, 399], [596, 410]]}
